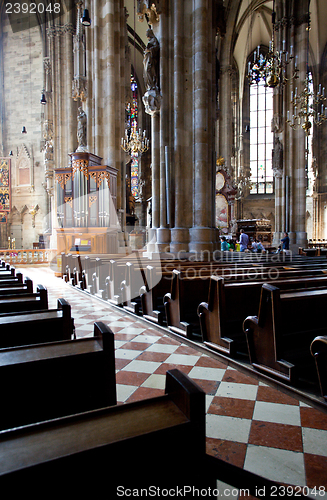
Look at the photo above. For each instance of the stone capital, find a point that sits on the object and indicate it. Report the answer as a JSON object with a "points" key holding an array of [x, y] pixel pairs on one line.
{"points": [[152, 101]]}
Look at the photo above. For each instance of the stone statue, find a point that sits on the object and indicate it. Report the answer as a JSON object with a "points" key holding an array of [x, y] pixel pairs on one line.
{"points": [[277, 158], [81, 128], [151, 62]]}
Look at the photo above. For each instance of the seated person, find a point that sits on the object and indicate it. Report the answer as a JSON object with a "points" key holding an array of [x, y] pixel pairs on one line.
{"points": [[260, 247], [224, 244], [285, 242], [231, 245], [254, 246]]}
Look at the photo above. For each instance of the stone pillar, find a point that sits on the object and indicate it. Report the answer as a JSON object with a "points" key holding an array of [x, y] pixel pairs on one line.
{"points": [[163, 232], [298, 235], [180, 232], [201, 233]]}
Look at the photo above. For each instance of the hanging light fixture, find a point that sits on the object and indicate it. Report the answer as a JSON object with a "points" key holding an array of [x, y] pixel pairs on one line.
{"points": [[135, 142], [307, 105], [85, 19], [43, 99], [24, 131], [271, 67]]}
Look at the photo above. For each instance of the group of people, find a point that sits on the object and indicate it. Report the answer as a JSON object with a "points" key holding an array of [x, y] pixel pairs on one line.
{"points": [[256, 246]]}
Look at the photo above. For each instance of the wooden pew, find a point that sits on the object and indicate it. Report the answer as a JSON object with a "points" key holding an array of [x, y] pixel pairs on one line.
{"points": [[279, 337], [158, 282], [152, 295], [7, 273], [48, 381], [318, 350], [221, 317], [111, 451], [37, 327], [17, 286], [181, 303], [16, 302]]}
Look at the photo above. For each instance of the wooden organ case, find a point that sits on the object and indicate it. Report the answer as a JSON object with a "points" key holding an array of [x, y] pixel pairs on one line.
{"points": [[87, 206]]}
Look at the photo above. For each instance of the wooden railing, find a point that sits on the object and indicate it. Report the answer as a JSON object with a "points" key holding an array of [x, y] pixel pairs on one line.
{"points": [[27, 256]]}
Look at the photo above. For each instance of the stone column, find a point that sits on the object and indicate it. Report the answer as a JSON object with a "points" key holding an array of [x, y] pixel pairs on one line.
{"points": [[163, 232], [201, 232], [180, 232], [298, 233]]}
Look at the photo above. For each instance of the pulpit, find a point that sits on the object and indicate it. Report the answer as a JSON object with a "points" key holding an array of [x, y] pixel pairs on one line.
{"points": [[86, 206]]}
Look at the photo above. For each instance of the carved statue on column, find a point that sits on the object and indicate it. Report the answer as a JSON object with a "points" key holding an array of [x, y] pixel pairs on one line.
{"points": [[81, 129], [151, 98], [151, 62], [277, 158]]}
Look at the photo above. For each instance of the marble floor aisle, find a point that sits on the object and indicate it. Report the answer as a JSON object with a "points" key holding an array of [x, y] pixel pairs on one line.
{"points": [[248, 422]]}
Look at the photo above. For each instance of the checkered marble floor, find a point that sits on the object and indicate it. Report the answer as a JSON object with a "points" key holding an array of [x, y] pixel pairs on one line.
{"points": [[248, 423]]}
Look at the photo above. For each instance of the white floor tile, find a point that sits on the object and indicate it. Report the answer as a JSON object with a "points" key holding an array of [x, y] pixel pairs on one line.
{"points": [[314, 441], [207, 373], [237, 391], [127, 353], [282, 466], [277, 413], [165, 348], [147, 339], [182, 359], [124, 392], [132, 330], [228, 428], [155, 381], [141, 366]]}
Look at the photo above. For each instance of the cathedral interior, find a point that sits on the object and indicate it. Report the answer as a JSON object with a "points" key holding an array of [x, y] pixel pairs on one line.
{"points": [[221, 106], [156, 129]]}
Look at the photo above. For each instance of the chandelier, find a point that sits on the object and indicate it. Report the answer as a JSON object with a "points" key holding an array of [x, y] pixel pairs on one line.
{"points": [[308, 106], [271, 68], [135, 142]]}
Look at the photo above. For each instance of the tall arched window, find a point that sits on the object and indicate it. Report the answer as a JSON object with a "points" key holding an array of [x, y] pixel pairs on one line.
{"points": [[261, 139]]}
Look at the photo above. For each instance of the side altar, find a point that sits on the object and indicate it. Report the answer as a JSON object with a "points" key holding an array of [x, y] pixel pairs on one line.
{"points": [[87, 206]]}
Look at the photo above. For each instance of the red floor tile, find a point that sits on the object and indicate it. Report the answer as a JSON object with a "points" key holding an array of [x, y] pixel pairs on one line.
{"points": [[230, 407], [131, 378], [137, 346], [315, 469], [162, 369], [272, 395], [159, 357], [310, 417], [144, 393], [285, 437], [207, 362], [238, 378], [228, 451]]}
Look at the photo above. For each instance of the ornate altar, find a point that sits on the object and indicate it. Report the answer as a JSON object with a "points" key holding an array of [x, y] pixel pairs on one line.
{"points": [[259, 229], [86, 206], [225, 198]]}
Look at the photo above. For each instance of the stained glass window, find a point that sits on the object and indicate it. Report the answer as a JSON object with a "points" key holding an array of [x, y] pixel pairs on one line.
{"points": [[261, 139], [133, 125]]}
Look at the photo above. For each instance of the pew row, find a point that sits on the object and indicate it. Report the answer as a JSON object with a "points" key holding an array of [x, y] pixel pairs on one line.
{"points": [[318, 350], [57, 379], [14, 287], [158, 441], [16, 302], [37, 327], [221, 317], [279, 338], [181, 303]]}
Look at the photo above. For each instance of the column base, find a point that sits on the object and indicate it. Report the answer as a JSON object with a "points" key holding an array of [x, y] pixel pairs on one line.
{"points": [[163, 239], [201, 242], [180, 238]]}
